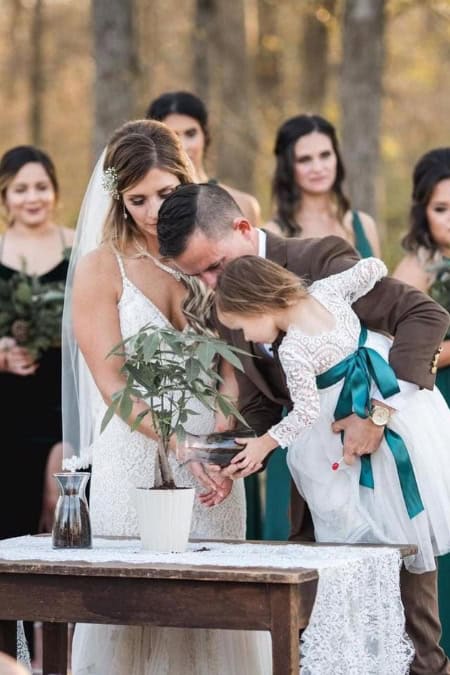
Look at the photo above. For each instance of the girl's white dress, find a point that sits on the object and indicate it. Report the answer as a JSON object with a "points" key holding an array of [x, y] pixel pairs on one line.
{"points": [[123, 459], [342, 509]]}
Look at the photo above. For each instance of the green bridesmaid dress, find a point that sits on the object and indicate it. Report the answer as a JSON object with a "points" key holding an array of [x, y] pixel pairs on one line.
{"points": [[275, 523], [443, 383]]}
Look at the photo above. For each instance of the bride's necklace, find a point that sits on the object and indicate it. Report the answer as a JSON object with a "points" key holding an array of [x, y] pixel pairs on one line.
{"points": [[145, 254]]}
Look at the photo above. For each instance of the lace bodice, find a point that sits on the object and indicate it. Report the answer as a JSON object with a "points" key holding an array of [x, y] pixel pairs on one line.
{"points": [[304, 356], [123, 459]]}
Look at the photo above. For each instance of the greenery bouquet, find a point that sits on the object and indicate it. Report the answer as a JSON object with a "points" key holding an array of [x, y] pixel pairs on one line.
{"points": [[440, 288], [31, 312]]}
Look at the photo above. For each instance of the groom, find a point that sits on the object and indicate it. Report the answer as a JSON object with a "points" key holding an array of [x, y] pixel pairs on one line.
{"points": [[200, 228]]}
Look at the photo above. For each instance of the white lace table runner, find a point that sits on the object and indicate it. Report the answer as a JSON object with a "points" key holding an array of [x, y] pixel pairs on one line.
{"points": [[357, 623]]}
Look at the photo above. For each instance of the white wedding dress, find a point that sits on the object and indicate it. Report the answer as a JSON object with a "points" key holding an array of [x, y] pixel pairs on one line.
{"points": [[123, 459], [343, 510]]}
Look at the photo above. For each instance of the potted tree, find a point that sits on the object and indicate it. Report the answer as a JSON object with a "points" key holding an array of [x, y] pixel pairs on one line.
{"points": [[168, 369]]}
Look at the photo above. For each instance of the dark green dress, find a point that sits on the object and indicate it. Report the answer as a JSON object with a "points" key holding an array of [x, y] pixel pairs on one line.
{"points": [[275, 518], [443, 383]]}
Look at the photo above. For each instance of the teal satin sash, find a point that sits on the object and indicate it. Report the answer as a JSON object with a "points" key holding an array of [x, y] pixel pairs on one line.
{"points": [[357, 371]]}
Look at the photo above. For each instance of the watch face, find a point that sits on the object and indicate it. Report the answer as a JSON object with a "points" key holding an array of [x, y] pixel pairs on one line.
{"points": [[379, 415]]}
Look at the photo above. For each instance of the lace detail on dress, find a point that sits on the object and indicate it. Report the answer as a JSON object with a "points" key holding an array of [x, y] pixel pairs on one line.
{"points": [[304, 356], [356, 281], [23, 653], [301, 381]]}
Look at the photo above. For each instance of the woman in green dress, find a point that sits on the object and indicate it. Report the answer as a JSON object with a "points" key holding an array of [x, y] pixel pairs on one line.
{"points": [[309, 201], [426, 265]]}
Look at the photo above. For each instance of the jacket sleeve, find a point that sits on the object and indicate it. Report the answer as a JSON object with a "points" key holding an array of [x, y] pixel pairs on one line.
{"points": [[416, 322]]}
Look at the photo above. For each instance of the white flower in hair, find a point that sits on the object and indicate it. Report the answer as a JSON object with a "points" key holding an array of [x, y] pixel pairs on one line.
{"points": [[110, 182]]}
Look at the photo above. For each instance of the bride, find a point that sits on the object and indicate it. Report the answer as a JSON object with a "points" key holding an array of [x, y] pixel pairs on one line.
{"points": [[118, 285]]}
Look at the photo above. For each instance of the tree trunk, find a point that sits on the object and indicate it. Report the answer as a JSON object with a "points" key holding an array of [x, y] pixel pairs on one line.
{"points": [[202, 42], [361, 91], [268, 58], [314, 55], [115, 67], [235, 140], [36, 73]]}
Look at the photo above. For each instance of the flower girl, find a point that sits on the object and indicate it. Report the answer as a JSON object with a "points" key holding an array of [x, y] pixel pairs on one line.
{"points": [[335, 367]]}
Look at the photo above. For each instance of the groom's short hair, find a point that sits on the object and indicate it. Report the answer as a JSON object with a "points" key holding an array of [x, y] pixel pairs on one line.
{"points": [[202, 206]]}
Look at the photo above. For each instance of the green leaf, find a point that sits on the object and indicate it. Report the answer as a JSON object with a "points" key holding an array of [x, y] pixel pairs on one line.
{"points": [[205, 354], [107, 417], [150, 345], [125, 407], [226, 353], [192, 369], [138, 420]]}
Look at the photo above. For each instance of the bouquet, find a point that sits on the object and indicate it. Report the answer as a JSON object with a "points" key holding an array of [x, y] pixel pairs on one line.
{"points": [[31, 312], [440, 288]]}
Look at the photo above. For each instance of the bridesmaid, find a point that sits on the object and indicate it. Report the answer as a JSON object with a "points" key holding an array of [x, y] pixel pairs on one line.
{"points": [[427, 246], [31, 389], [309, 201], [187, 116]]}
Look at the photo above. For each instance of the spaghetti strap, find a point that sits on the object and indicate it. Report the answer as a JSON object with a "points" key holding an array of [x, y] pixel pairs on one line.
{"points": [[362, 244], [121, 266]]}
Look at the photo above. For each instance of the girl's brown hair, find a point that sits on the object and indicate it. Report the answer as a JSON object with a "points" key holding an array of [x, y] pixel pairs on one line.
{"points": [[135, 149], [253, 285]]}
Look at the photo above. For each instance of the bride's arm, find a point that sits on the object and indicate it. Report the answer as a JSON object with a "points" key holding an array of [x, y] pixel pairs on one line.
{"points": [[96, 292]]}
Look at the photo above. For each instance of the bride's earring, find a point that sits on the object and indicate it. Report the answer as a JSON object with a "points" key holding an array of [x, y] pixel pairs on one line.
{"points": [[125, 214]]}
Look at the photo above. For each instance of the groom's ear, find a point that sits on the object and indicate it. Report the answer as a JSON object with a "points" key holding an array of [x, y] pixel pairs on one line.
{"points": [[241, 224]]}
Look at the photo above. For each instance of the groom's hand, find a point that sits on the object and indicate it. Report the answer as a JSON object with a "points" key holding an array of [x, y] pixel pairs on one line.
{"points": [[361, 436]]}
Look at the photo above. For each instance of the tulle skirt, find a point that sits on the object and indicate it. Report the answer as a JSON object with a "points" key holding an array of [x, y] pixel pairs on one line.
{"points": [[344, 511], [133, 650]]}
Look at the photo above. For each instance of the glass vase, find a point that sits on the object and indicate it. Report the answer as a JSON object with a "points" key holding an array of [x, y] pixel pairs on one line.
{"points": [[72, 525], [217, 448]]}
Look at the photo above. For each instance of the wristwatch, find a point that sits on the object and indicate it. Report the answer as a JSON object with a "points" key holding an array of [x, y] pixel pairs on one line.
{"points": [[379, 415]]}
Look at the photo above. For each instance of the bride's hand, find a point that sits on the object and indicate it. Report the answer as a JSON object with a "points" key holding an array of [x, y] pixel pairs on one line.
{"points": [[213, 498], [202, 476]]}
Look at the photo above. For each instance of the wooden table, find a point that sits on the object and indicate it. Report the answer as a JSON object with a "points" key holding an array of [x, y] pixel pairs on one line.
{"points": [[263, 598]]}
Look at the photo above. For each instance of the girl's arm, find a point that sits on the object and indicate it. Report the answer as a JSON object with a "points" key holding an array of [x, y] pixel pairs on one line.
{"points": [[301, 381], [358, 280]]}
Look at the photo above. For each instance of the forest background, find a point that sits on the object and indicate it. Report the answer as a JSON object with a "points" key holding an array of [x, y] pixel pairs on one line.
{"points": [[378, 69]]}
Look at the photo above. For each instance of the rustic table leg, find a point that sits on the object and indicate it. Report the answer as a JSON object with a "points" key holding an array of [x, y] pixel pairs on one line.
{"points": [[8, 637], [284, 601], [54, 648]]}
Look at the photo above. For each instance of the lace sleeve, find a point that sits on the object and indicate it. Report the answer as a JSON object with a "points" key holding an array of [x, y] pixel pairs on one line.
{"points": [[357, 280], [301, 381]]}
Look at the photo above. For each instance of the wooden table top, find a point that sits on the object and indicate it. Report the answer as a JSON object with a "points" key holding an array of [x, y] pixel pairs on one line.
{"points": [[292, 575]]}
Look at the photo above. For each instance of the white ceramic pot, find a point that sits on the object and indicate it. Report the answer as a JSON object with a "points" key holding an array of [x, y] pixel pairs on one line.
{"points": [[164, 518]]}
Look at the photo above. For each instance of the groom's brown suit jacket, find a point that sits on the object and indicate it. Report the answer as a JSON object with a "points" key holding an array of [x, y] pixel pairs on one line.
{"points": [[417, 323]]}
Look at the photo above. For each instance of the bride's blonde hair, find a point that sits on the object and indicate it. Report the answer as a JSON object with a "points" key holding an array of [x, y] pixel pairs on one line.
{"points": [[134, 149], [252, 285]]}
